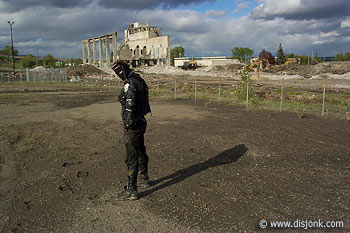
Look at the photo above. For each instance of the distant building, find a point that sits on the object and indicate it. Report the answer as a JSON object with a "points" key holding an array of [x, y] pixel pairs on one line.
{"points": [[143, 44], [205, 61]]}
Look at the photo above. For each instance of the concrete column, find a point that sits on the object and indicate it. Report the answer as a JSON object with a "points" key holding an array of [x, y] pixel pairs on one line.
{"points": [[84, 52], [89, 51], [95, 52], [108, 54], [101, 51], [114, 47], [168, 51]]}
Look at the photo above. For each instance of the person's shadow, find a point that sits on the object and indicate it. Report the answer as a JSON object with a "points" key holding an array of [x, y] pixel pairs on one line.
{"points": [[225, 157]]}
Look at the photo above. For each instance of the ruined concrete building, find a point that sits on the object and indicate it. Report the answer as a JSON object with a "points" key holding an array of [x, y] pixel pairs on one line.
{"points": [[106, 40], [142, 44]]}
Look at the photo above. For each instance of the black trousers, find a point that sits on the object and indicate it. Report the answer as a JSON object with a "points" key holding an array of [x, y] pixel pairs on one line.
{"points": [[135, 145]]}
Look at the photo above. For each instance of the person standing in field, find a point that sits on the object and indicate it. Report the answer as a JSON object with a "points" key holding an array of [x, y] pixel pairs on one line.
{"points": [[135, 105]]}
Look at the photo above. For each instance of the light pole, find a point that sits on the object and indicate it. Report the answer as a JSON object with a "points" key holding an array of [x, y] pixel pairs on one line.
{"points": [[13, 58]]}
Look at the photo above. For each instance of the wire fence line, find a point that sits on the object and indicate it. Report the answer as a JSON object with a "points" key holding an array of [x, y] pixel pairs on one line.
{"points": [[321, 100], [40, 75]]}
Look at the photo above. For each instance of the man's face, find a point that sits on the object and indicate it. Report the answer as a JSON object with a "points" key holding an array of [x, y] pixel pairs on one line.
{"points": [[119, 70]]}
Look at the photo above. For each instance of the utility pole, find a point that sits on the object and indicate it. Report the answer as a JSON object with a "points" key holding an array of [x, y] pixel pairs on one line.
{"points": [[37, 54], [13, 55]]}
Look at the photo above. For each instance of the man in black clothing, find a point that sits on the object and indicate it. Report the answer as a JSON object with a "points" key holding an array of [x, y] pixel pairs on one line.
{"points": [[135, 105]]}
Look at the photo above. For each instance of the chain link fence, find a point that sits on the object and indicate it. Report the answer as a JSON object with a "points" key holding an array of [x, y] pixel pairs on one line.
{"points": [[36, 75], [319, 100]]}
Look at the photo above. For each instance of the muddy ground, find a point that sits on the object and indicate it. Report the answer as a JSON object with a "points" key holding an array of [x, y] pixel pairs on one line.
{"points": [[213, 168]]}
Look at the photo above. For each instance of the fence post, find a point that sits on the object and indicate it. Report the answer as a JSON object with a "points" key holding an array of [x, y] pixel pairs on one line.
{"points": [[195, 90], [246, 103], [219, 91], [281, 104], [324, 97], [175, 89], [27, 74], [51, 73], [158, 87]]}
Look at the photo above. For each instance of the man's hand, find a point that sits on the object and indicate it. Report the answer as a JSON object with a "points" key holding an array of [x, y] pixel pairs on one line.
{"points": [[130, 122]]}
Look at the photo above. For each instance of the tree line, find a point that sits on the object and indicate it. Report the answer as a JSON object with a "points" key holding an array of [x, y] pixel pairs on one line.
{"points": [[30, 61], [244, 54]]}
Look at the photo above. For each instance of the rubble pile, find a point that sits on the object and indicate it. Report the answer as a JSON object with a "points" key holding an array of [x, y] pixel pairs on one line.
{"points": [[216, 71], [325, 70], [164, 69], [85, 71], [226, 69], [40, 69], [308, 71]]}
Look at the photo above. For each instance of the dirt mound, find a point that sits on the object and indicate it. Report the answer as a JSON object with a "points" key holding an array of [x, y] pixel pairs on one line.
{"points": [[40, 69], [163, 69], [307, 71], [222, 69], [85, 71], [332, 67], [225, 70]]}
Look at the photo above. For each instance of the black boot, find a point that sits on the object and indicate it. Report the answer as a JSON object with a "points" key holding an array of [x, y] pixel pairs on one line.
{"points": [[143, 180], [130, 191]]}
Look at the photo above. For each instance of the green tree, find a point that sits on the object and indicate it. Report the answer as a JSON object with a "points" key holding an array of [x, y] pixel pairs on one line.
{"points": [[178, 51], [339, 57], [28, 61], [347, 56], [8, 51], [49, 60], [281, 58], [242, 53], [245, 75], [75, 61]]}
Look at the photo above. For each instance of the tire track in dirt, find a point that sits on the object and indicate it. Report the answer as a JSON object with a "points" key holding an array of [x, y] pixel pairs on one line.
{"points": [[7, 165], [7, 175]]}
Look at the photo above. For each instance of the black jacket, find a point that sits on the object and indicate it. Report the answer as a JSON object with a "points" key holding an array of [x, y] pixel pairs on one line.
{"points": [[134, 100]]}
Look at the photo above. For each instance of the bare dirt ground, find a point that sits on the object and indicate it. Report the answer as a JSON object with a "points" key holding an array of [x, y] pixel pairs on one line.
{"points": [[213, 168]]}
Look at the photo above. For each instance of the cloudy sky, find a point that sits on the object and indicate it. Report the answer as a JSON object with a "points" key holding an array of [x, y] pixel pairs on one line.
{"points": [[202, 27]]}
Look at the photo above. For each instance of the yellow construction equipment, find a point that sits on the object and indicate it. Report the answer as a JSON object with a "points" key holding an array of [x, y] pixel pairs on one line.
{"points": [[292, 61], [191, 65], [259, 64]]}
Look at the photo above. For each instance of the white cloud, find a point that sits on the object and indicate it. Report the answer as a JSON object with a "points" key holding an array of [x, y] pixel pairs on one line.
{"points": [[302, 9], [329, 34], [276, 7], [320, 42], [345, 23], [59, 31]]}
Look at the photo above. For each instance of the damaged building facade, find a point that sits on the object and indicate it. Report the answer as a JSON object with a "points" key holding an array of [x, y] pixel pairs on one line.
{"points": [[141, 45], [103, 41]]}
